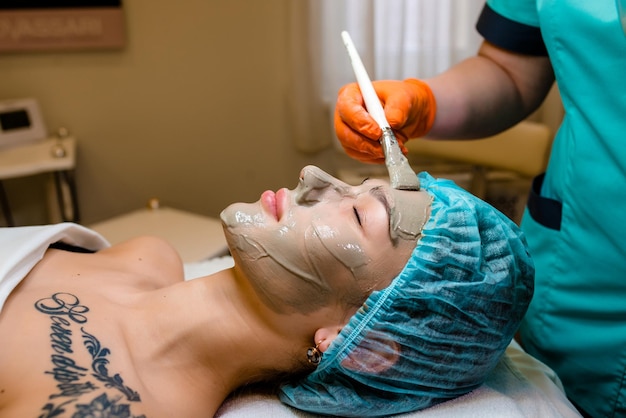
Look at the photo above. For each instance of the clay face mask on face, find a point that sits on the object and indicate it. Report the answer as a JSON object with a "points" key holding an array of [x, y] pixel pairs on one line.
{"points": [[319, 188], [332, 238], [408, 210]]}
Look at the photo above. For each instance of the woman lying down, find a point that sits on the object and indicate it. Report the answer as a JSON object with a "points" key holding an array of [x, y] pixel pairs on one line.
{"points": [[360, 300]]}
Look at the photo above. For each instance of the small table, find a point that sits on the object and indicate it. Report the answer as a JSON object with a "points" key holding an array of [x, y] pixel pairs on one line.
{"points": [[52, 155], [195, 237]]}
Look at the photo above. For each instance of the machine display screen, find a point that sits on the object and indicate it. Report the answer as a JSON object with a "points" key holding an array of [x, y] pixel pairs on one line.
{"points": [[15, 119]]}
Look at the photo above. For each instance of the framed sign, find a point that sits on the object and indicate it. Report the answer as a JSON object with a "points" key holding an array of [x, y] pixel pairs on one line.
{"points": [[40, 25]]}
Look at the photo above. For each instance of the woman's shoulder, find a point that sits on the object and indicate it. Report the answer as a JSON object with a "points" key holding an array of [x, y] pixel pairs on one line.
{"points": [[141, 263], [146, 245], [147, 256]]}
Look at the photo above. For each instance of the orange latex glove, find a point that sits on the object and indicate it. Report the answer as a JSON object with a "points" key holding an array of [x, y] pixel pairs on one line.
{"points": [[409, 108]]}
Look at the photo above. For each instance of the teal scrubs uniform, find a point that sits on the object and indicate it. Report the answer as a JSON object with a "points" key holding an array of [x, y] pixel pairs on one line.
{"points": [[575, 221]]}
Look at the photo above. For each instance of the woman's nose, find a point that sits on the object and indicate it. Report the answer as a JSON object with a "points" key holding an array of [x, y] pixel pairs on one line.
{"points": [[315, 183]]}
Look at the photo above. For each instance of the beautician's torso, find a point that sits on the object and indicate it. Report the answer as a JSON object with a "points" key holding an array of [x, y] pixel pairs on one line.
{"points": [[55, 357]]}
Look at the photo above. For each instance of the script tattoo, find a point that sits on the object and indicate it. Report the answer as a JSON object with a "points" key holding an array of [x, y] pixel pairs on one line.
{"points": [[99, 366], [66, 313]]}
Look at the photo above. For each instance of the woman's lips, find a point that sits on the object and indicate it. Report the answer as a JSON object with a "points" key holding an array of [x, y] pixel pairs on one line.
{"points": [[281, 197], [268, 202], [275, 203]]}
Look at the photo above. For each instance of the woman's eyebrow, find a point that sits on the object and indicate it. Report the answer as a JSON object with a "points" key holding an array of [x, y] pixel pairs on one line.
{"points": [[381, 196]]}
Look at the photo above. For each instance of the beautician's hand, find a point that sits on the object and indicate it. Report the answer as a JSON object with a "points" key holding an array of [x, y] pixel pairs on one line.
{"points": [[409, 108]]}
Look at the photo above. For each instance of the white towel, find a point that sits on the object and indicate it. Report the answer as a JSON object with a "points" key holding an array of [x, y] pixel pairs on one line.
{"points": [[23, 247]]}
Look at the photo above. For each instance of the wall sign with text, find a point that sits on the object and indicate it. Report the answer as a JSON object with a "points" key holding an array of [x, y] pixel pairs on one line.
{"points": [[46, 25]]}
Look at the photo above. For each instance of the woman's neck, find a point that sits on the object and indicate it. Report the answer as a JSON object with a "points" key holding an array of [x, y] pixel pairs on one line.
{"points": [[209, 332]]}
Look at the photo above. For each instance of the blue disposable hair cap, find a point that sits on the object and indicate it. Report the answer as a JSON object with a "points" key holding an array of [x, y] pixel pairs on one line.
{"points": [[439, 328]]}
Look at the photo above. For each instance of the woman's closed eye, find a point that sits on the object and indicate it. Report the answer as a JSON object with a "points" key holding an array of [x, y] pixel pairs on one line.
{"points": [[357, 216]]}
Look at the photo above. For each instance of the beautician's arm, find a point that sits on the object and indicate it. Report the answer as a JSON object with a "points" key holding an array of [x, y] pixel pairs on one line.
{"points": [[488, 93], [478, 97]]}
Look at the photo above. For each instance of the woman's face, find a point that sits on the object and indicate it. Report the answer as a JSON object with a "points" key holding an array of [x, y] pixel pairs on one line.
{"points": [[325, 241]]}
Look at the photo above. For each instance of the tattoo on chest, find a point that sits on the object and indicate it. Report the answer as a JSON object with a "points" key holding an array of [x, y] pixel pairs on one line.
{"points": [[68, 317]]}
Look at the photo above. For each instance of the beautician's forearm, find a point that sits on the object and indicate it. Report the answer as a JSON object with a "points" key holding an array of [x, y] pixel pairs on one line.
{"points": [[488, 93]]}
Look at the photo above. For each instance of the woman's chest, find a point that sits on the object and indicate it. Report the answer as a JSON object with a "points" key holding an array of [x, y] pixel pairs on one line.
{"points": [[63, 353]]}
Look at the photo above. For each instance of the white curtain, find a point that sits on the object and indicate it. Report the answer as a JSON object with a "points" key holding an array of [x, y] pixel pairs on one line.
{"points": [[396, 39]]}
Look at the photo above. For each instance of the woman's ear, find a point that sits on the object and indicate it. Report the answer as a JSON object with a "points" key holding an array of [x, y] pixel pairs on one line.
{"points": [[325, 336]]}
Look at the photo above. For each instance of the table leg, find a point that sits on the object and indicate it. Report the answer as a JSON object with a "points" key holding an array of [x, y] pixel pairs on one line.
{"points": [[66, 178], [6, 209]]}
